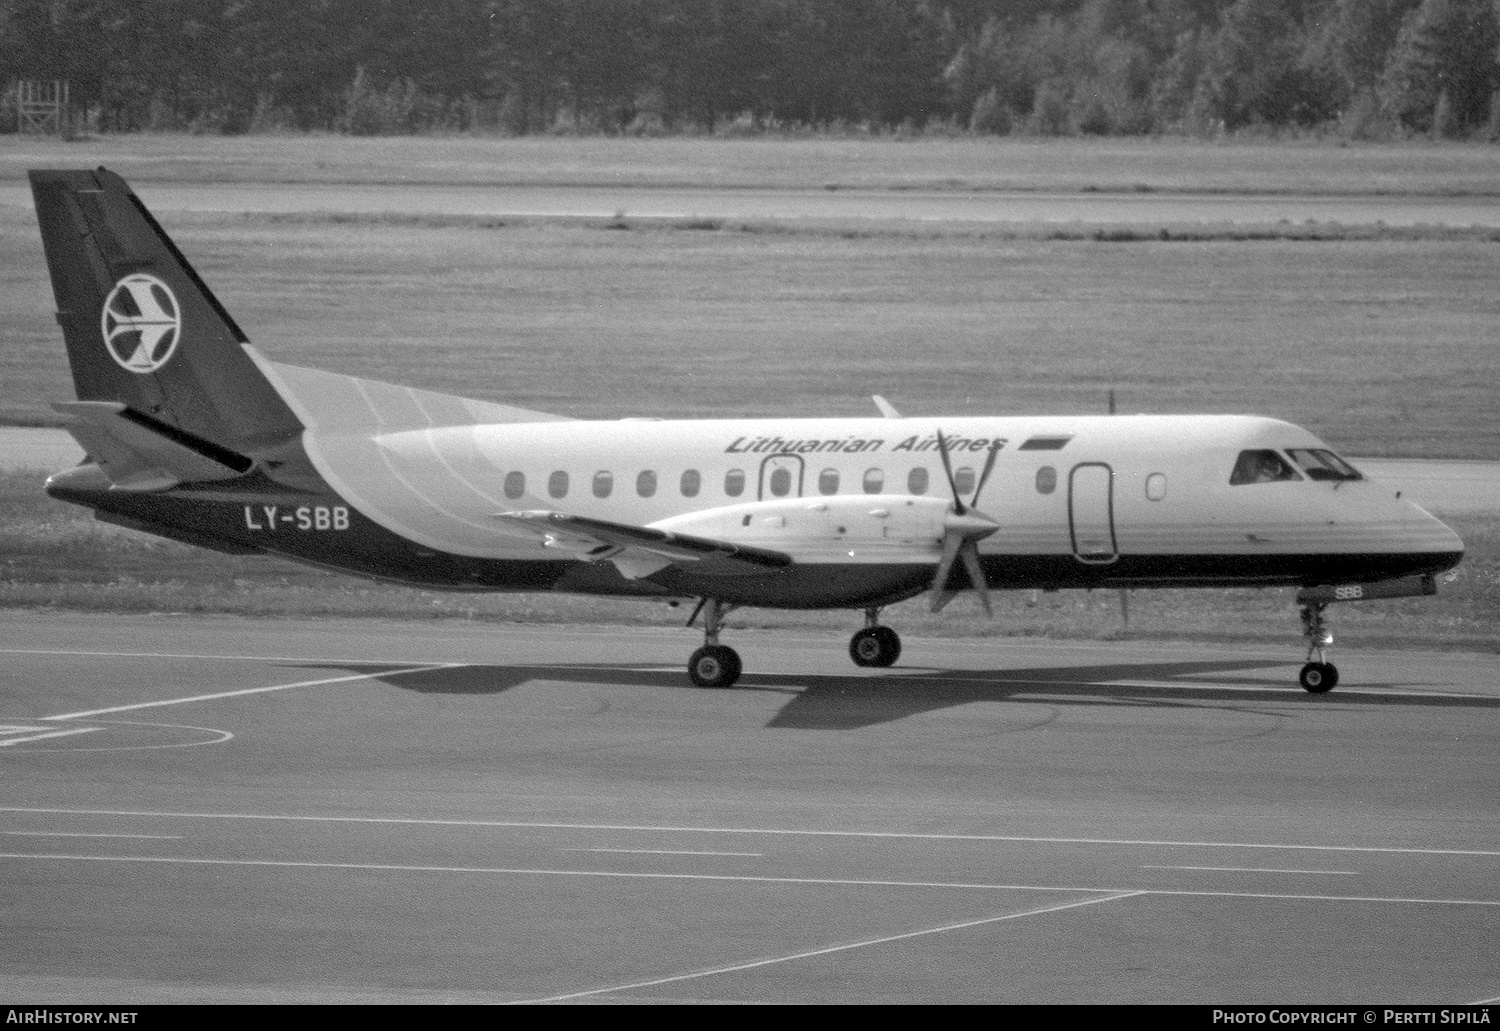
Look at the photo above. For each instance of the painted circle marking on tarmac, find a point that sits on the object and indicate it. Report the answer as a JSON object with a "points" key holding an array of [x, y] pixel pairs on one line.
{"points": [[32, 735]]}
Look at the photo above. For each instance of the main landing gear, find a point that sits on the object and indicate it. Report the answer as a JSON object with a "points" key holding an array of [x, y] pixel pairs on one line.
{"points": [[715, 664], [875, 645], [1322, 675]]}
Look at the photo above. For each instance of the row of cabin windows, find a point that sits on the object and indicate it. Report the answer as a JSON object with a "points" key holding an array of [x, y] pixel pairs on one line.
{"points": [[779, 483]]}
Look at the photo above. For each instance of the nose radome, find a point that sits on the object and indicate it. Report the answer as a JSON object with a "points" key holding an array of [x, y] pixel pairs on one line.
{"points": [[1435, 534]]}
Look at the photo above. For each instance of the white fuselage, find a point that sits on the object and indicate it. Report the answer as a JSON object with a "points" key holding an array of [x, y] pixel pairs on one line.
{"points": [[1123, 485]]}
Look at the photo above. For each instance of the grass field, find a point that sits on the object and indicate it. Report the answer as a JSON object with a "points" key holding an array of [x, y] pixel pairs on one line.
{"points": [[1386, 346], [1062, 165]]}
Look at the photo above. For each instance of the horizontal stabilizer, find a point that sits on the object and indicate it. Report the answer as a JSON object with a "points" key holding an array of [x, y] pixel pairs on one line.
{"points": [[138, 452], [631, 547]]}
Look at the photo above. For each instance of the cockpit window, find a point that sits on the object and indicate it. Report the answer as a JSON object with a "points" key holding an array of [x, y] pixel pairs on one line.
{"points": [[1321, 464], [1261, 467]]}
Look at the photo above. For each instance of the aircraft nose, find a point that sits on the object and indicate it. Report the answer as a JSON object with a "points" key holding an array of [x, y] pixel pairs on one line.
{"points": [[1427, 532], [1453, 542]]}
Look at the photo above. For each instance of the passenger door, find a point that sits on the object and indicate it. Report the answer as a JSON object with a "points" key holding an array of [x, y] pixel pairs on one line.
{"points": [[1091, 512]]}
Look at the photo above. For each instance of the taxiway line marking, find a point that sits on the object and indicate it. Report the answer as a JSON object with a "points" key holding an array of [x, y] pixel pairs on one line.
{"points": [[192, 655], [50, 733], [770, 831], [75, 834], [251, 690], [848, 882], [1247, 869], [661, 852], [812, 953]]}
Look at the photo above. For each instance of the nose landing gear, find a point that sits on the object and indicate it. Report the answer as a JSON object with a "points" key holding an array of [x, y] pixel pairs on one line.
{"points": [[875, 645], [715, 664], [1322, 675]]}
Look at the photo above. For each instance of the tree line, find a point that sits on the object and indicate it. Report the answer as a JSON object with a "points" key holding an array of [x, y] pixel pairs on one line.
{"points": [[1370, 68]]}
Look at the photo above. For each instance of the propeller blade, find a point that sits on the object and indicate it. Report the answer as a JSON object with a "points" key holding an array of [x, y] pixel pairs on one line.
{"points": [[970, 552], [958, 502], [989, 465], [951, 543]]}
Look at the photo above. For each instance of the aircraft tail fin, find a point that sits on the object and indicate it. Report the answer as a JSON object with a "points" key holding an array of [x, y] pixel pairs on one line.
{"points": [[142, 329]]}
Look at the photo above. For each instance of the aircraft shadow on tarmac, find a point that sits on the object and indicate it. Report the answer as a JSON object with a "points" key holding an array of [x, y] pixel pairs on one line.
{"points": [[850, 702]]}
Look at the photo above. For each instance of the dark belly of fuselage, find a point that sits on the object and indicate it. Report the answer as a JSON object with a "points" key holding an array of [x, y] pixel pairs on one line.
{"points": [[864, 585]]}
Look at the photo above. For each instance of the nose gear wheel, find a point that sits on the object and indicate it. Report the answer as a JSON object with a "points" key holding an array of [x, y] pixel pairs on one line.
{"points": [[1318, 676]]}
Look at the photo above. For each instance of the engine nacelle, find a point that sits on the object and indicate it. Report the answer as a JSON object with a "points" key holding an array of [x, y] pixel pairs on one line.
{"points": [[887, 527]]}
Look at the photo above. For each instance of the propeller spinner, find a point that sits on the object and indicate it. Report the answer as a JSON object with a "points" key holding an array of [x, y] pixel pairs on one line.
{"points": [[963, 528]]}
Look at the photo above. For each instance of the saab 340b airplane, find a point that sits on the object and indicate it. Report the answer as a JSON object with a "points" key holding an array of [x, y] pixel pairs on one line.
{"points": [[194, 435]]}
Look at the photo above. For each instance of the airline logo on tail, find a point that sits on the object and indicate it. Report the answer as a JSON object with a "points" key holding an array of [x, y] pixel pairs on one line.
{"points": [[142, 323]]}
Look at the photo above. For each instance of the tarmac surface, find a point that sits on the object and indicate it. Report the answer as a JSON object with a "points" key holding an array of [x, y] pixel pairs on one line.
{"points": [[222, 809]]}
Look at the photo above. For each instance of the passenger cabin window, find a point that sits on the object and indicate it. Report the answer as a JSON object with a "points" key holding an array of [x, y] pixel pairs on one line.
{"points": [[874, 481], [734, 482], [781, 482], [1046, 480], [557, 484], [828, 481], [604, 483], [963, 479], [1046, 443], [1156, 486], [1264, 466], [645, 483], [515, 485], [692, 483], [1321, 464], [916, 481]]}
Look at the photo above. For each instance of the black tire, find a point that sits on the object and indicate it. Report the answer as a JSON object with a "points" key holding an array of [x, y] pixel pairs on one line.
{"points": [[731, 658], [875, 646], [890, 643], [714, 665], [1319, 677], [864, 647]]}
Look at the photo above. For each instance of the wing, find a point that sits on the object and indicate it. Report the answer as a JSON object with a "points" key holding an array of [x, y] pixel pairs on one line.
{"points": [[639, 551]]}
